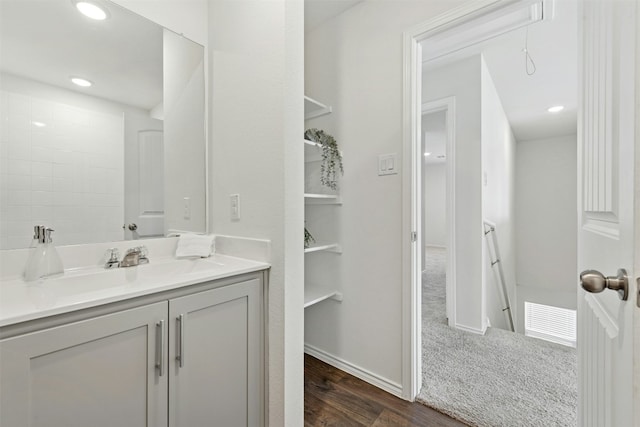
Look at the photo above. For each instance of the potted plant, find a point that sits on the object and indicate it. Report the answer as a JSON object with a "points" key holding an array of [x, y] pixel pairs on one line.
{"points": [[331, 157], [308, 238]]}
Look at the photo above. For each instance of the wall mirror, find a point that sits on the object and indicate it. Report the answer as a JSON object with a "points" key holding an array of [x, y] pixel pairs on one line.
{"points": [[102, 125]]}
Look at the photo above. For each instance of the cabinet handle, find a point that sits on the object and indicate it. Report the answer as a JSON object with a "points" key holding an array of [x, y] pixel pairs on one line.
{"points": [[160, 347], [180, 355]]}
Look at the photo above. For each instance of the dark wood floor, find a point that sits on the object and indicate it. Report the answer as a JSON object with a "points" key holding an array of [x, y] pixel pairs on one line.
{"points": [[334, 398]]}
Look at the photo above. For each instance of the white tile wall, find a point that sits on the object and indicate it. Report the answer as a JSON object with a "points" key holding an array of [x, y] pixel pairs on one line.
{"points": [[67, 174]]}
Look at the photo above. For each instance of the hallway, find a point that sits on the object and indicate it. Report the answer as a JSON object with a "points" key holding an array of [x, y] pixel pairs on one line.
{"points": [[500, 379]]}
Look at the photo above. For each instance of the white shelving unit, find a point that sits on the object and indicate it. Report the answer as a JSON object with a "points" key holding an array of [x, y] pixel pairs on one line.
{"points": [[313, 151], [331, 247], [314, 292], [313, 108], [313, 295], [322, 199]]}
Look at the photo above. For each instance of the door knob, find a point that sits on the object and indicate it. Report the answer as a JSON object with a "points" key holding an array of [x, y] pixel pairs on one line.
{"points": [[594, 281]]}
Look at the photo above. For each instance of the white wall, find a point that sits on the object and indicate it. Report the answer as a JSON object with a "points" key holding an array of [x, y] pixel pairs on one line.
{"points": [[184, 128], [188, 17], [256, 99], [69, 174], [354, 63], [462, 81], [435, 192], [498, 197], [255, 113], [546, 221]]}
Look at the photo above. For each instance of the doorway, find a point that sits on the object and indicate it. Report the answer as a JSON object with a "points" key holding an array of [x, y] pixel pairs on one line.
{"points": [[485, 191]]}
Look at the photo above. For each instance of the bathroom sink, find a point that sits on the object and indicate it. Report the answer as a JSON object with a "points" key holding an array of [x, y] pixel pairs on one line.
{"points": [[75, 284], [88, 287], [178, 266]]}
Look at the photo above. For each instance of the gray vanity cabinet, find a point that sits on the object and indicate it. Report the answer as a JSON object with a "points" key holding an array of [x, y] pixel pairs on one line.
{"points": [[106, 370], [96, 372], [215, 368]]}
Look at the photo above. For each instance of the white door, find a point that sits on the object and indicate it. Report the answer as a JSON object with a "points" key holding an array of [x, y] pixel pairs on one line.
{"points": [[606, 211], [148, 213]]}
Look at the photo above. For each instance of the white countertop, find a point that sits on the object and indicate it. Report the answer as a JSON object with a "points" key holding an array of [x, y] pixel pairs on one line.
{"points": [[85, 288]]}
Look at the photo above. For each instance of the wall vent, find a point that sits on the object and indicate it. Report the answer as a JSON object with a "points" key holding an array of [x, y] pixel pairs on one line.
{"points": [[550, 323]]}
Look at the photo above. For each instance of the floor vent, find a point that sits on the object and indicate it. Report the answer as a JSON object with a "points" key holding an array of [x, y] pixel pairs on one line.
{"points": [[550, 323]]}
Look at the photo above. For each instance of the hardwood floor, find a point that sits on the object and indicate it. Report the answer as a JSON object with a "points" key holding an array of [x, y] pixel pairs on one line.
{"points": [[334, 398]]}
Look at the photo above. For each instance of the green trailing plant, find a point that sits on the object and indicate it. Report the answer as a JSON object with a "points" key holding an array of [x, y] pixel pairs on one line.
{"points": [[331, 157], [308, 238]]}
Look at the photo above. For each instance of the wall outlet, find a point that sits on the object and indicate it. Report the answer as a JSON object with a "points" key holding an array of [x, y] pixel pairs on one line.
{"points": [[186, 208], [235, 207], [388, 164]]}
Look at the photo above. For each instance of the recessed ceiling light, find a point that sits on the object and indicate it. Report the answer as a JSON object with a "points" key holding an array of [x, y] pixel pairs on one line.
{"points": [[556, 109], [81, 82], [38, 124], [92, 10], [427, 154]]}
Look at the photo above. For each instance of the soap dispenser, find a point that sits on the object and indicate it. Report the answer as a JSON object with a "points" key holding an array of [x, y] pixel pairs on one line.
{"points": [[52, 261], [31, 269], [44, 260]]}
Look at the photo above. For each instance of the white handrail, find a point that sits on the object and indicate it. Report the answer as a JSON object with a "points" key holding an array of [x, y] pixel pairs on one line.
{"points": [[490, 228]]}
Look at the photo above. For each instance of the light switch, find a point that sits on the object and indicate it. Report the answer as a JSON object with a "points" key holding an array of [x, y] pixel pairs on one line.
{"points": [[186, 207], [387, 164], [235, 207]]}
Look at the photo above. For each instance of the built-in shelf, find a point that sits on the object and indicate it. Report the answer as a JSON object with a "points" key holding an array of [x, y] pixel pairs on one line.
{"points": [[322, 199], [320, 196], [331, 247], [314, 295], [313, 108], [313, 144], [313, 151]]}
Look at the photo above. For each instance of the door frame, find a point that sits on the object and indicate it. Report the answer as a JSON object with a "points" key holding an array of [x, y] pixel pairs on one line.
{"points": [[411, 198], [636, 295]]}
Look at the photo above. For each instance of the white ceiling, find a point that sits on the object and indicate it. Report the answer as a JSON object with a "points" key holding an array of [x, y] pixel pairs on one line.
{"points": [[317, 12], [57, 42], [525, 99], [49, 40]]}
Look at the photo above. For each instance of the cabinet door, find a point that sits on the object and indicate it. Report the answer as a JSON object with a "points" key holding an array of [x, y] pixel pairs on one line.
{"points": [[216, 357], [97, 372]]}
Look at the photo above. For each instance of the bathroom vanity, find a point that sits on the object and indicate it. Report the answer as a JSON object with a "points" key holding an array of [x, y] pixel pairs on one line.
{"points": [[171, 343]]}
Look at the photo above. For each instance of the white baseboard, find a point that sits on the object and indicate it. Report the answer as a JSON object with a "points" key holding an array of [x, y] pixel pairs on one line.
{"points": [[365, 375], [470, 329]]}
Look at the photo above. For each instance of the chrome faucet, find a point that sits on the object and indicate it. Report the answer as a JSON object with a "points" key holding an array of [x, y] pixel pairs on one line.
{"points": [[143, 259], [135, 256], [113, 262]]}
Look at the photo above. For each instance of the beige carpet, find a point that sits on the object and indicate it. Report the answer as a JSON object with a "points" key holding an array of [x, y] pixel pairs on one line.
{"points": [[499, 379]]}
